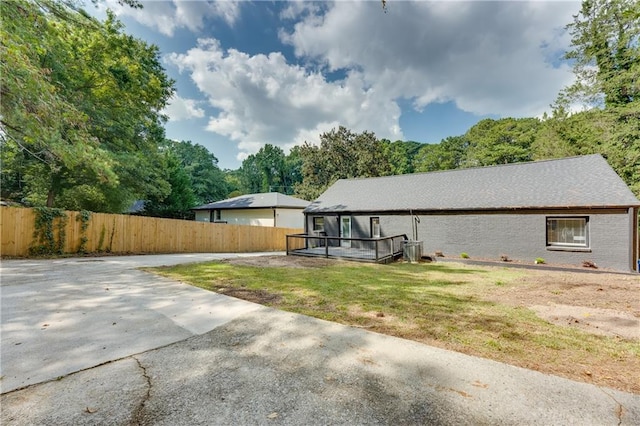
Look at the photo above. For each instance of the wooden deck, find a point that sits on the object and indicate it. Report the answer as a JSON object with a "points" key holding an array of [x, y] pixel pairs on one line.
{"points": [[380, 250]]}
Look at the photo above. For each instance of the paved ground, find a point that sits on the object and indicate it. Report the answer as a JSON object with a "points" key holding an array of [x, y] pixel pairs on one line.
{"points": [[95, 341]]}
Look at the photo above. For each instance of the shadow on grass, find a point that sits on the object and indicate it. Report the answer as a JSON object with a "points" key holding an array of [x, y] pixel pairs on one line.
{"points": [[448, 269]]}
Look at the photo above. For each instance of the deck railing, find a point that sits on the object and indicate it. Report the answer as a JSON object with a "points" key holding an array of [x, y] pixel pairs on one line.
{"points": [[380, 250]]}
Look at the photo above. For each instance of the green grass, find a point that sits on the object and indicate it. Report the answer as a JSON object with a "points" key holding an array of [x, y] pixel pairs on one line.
{"points": [[440, 304]]}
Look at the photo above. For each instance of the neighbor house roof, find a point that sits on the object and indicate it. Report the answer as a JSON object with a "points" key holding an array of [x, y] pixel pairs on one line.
{"points": [[256, 201], [586, 181]]}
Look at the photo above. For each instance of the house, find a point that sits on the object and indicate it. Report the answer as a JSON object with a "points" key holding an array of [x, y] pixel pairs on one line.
{"points": [[564, 211], [269, 209]]}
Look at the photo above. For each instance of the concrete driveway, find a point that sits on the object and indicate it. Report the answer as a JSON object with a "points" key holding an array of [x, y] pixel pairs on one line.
{"points": [[65, 315], [96, 341]]}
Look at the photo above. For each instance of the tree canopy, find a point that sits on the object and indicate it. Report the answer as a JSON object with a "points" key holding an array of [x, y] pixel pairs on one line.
{"points": [[81, 106]]}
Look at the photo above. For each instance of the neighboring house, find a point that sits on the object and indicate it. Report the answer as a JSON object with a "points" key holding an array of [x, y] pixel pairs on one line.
{"points": [[270, 209], [565, 211]]}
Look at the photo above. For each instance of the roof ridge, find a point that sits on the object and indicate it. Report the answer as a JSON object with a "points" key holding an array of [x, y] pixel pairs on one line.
{"points": [[493, 166]]}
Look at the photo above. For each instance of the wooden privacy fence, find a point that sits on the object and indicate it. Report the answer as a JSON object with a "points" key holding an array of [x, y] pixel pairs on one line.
{"points": [[136, 234]]}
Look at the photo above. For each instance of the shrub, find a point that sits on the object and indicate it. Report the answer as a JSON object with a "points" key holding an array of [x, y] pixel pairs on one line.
{"points": [[539, 261], [464, 255]]}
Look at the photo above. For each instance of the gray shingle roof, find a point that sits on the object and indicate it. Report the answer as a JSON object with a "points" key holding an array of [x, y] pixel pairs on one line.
{"points": [[586, 181], [256, 201]]}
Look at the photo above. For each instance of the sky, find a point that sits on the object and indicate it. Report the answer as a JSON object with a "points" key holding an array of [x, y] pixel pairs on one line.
{"points": [[248, 73]]}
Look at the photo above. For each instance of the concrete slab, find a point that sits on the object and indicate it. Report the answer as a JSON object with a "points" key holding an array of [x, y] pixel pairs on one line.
{"points": [[64, 315], [272, 367]]}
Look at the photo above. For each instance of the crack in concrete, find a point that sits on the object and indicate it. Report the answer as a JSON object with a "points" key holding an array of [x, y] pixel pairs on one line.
{"points": [[619, 410], [138, 412]]}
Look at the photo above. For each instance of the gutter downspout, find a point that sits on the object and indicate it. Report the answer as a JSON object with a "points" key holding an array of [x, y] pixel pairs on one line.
{"points": [[415, 220]]}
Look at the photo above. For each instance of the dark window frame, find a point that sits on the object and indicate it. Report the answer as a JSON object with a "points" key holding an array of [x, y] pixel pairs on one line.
{"points": [[372, 228], [315, 226], [553, 223]]}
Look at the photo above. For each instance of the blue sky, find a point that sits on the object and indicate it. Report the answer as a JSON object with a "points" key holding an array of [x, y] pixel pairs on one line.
{"points": [[250, 73]]}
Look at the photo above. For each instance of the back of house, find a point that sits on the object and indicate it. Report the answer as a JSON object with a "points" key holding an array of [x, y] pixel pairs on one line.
{"points": [[567, 211]]}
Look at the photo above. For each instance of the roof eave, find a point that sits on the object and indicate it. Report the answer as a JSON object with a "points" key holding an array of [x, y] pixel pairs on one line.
{"points": [[503, 208]]}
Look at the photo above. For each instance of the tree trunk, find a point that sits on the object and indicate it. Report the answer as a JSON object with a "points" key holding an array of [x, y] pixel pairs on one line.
{"points": [[50, 198]]}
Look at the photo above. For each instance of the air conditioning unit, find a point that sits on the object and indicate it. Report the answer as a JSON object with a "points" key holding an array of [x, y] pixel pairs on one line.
{"points": [[412, 251]]}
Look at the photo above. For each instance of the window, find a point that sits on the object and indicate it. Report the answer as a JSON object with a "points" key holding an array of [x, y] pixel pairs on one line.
{"points": [[568, 231], [375, 227], [218, 215], [318, 224]]}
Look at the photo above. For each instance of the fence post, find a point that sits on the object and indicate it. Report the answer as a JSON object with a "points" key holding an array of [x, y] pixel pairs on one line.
{"points": [[326, 247]]}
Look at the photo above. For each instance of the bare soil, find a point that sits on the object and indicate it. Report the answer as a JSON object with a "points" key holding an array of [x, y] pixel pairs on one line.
{"points": [[282, 261], [601, 303]]}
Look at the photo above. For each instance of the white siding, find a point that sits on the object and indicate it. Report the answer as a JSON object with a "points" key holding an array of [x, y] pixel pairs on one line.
{"points": [[254, 217], [202, 215], [289, 218], [285, 218]]}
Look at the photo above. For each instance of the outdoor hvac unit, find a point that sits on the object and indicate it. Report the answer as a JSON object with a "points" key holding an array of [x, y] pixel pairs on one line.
{"points": [[412, 251]]}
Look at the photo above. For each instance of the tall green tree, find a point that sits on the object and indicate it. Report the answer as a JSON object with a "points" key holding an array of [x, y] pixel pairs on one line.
{"points": [[233, 180], [293, 170], [401, 155], [177, 204], [605, 51], [341, 154], [81, 106], [450, 153], [250, 176], [270, 170], [503, 141], [207, 180], [271, 164]]}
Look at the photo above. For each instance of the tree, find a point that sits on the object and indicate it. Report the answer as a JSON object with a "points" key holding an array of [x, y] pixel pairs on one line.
{"points": [[293, 169], [605, 53], [503, 141], [271, 164], [270, 170], [81, 106], [341, 154], [178, 203], [42, 132], [606, 56], [250, 176], [233, 180], [401, 155], [450, 153], [207, 180]]}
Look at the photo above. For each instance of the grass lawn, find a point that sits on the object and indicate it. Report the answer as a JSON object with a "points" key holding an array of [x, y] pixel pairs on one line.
{"points": [[445, 305]]}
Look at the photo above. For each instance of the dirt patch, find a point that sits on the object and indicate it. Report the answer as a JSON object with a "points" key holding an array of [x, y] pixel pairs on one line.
{"points": [[606, 322], [599, 303], [278, 261], [256, 296]]}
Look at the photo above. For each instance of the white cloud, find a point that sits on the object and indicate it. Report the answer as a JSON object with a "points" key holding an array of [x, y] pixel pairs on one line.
{"points": [[263, 99], [167, 16], [182, 109], [487, 57]]}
